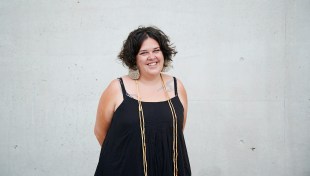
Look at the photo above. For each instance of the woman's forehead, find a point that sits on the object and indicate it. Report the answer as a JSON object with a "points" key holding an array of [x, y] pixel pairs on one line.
{"points": [[148, 44]]}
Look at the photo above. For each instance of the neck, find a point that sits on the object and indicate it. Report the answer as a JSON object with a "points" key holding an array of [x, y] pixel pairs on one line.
{"points": [[150, 79]]}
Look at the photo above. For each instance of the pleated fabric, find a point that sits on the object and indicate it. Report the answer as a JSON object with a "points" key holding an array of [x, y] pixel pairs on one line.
{"points": [[121, 152]]}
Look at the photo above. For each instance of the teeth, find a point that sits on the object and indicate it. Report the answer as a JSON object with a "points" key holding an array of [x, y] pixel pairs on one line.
{"points": [[151, 64]]}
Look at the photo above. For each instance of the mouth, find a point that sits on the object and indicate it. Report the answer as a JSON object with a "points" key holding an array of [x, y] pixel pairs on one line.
{"points": [[152, 63]]}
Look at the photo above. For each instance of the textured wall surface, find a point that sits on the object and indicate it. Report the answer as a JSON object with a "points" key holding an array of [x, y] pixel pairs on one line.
{"points": [[245, 64]]}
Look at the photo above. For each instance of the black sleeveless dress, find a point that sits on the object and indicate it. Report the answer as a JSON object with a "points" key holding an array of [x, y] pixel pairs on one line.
{"points": [[121, 152]]}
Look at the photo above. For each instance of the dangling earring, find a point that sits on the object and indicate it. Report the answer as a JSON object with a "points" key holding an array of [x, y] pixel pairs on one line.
{"points": [[134, 74], [167, 68]]}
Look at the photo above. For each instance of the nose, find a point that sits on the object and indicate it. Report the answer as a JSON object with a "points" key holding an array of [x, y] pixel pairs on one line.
{"points": [[151, 56]]}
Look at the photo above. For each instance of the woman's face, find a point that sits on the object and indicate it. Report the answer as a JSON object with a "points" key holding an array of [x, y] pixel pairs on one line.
{"points": [[150, 59]]}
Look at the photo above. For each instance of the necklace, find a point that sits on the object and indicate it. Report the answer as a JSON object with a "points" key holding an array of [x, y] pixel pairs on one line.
{"points": [[174, 130]]}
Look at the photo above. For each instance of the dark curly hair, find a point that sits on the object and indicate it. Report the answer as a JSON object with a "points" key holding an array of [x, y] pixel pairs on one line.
{"points": [[132, 45]]}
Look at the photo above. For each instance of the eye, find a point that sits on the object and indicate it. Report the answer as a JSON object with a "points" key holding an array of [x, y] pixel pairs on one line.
{"points": [[143, 53], [156, 50]]}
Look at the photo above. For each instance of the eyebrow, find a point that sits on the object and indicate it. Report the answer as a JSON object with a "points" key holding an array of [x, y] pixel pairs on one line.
{"points": [[153, 49]]}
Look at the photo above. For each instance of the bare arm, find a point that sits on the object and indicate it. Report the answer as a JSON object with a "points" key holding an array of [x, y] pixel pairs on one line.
{"points": [[106, 107], [183, 99]]}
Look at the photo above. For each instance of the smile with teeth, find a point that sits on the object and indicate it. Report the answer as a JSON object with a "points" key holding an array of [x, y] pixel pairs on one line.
{"points": [[151, 64]]}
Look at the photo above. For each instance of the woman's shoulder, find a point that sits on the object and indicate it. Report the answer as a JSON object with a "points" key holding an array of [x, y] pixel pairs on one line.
{"points": [[115, 83], [167, 77], [125, 78], [170, 78], [113, 87]]}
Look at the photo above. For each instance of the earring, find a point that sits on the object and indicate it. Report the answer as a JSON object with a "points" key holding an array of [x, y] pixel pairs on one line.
{"points": [[134, 74], [167, 68]]}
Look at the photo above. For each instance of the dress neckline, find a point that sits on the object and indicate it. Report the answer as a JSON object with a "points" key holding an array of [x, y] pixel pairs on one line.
{"points": [[164, 101]]}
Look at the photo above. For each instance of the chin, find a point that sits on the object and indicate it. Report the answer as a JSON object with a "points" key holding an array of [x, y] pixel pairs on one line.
{"points": [[154, 72]]}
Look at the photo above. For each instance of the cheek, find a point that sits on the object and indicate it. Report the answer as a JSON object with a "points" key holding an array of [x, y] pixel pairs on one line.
{"points": [[139, 61], [160, 56]]}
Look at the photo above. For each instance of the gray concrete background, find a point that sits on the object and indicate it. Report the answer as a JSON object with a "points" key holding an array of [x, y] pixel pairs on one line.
{"points": [[245, 65]]}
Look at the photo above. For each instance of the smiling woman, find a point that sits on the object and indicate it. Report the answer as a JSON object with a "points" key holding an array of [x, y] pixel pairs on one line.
{"points": [[150, 59], [141, 117]]}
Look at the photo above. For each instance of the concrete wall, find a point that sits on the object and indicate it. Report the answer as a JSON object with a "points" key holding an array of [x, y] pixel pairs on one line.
{"points": [[245, 64]]}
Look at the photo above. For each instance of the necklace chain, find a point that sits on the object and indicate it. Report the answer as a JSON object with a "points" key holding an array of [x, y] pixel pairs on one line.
{"points": [[175, 131], [142, 130]]}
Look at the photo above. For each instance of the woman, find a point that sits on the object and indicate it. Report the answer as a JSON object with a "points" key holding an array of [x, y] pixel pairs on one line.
{"points": [[141, 116]]}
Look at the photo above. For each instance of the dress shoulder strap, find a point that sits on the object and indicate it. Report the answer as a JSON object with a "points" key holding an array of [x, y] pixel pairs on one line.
{"points": [[123, 87], [175, 86]]}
